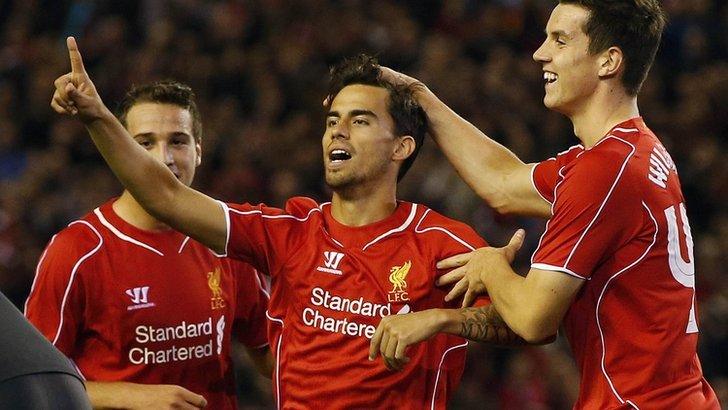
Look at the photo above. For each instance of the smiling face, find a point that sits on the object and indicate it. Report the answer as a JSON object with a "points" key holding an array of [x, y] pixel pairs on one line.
{"points": [[359, 144], [166, 132], [571, 74]]}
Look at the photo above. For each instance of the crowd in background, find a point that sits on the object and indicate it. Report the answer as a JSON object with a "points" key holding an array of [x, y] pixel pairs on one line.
{"points": [[259, 69]]}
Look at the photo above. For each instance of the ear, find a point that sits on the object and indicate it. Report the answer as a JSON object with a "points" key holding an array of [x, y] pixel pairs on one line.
{"points": [[198, 149], [404, 148], [611, 62]]}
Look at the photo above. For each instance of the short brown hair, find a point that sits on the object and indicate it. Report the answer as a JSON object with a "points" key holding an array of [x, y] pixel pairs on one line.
{"points": [[163, 92], [635, 26]]}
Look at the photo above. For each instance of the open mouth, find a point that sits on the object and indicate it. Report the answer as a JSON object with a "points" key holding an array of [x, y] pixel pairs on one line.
{"points": [[338, 156], [549, 77]]}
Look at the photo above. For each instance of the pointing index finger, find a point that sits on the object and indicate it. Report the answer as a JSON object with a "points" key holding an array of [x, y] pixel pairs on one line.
{"points": [[75, 56]]}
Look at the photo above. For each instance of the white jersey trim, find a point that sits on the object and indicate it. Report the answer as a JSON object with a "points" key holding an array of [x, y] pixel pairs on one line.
{"points": [[184, 242], [606, 199], [226, 211], [73, 276], [545, 266], [601, 295], [630, 402], [439, 370], [437, 228], [628, 130], [401, 228], [533, 182], [122, 236], [35, 278], [278, 358]]}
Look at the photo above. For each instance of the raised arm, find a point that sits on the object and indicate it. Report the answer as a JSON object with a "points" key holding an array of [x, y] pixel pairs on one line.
{"points": [[151, 183], [492, 171]]}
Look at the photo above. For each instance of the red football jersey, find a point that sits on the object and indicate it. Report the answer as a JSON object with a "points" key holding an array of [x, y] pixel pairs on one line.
{"points": [[332, 284], [146, 307], [619, 223]]}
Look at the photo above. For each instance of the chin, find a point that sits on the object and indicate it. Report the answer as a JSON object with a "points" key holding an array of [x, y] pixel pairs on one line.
{"points": [[339, 182]]}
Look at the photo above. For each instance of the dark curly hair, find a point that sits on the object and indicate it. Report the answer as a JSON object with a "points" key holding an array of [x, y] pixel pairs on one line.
{"points": [[409, 117], [163, 92], [635, 26]]}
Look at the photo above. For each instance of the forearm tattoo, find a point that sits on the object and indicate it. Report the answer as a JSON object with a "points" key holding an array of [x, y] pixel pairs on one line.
{"points": [[484, 324]]}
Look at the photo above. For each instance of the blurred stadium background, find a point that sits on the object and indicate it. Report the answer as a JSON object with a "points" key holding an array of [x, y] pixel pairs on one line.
{"points": [[259, 69]]}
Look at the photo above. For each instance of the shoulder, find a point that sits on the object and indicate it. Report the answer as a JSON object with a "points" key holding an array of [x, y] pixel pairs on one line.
{"points": [[433, 224], [599, 176], [605, 162], [302, 207], [71, 249], [79, 237], [299, 208]]}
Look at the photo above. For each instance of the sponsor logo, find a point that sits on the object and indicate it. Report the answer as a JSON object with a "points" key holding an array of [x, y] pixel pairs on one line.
{"points": [[324, 302], [188, 341], [139, 297], [213, 282], [331, 263], [398, 276], [321, 313]]}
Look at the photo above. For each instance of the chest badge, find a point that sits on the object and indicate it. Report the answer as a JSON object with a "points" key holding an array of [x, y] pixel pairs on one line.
{"points": [[398, 276], [213, 282]]}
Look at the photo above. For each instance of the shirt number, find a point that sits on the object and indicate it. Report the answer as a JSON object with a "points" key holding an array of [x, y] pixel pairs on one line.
{"points": [[678, 235]]}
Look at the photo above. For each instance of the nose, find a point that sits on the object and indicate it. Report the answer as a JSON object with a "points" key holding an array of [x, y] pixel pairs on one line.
{"points": [[340, 130], [164, 153], [540, 55]]}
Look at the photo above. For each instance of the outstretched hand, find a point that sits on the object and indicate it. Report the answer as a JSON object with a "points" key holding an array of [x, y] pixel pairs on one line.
{"points": [[472, 267], [75, 93]]}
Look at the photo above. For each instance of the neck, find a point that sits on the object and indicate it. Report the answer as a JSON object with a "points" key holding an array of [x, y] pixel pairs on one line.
{"points": [[130, 211], [363, 205], [601, 113]]}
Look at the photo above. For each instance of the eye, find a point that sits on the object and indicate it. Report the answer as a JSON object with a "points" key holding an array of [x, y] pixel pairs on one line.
{"points": [[144, 143], [331, 122], [360, 121], [179, 141], [560, 42]]}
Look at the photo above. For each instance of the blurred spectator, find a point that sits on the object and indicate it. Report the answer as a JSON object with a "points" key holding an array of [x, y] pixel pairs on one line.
{"points": [[259, 68]]}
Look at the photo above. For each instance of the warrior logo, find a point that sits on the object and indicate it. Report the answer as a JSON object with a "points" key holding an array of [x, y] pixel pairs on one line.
{"points": [[398, 276], [213, 282], [139, 297], [331, 261]]}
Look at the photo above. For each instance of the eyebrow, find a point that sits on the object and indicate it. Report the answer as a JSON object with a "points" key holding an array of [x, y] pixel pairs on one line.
{"points": [[353, 113], [558, 33], [150, 134]]}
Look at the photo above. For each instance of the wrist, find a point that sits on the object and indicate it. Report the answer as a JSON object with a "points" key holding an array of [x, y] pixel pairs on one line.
{"points": [[102, 116], [448, 321]]}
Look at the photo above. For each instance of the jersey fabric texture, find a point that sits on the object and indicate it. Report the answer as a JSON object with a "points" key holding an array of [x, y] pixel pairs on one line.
{"points": [[619, 223], [146, 307], [331, 286]]}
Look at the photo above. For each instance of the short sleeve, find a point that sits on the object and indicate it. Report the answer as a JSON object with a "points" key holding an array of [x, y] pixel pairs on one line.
{"points": [[250, 327], [56, 302], [264, 236], [595, 206], [545, 174]]}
